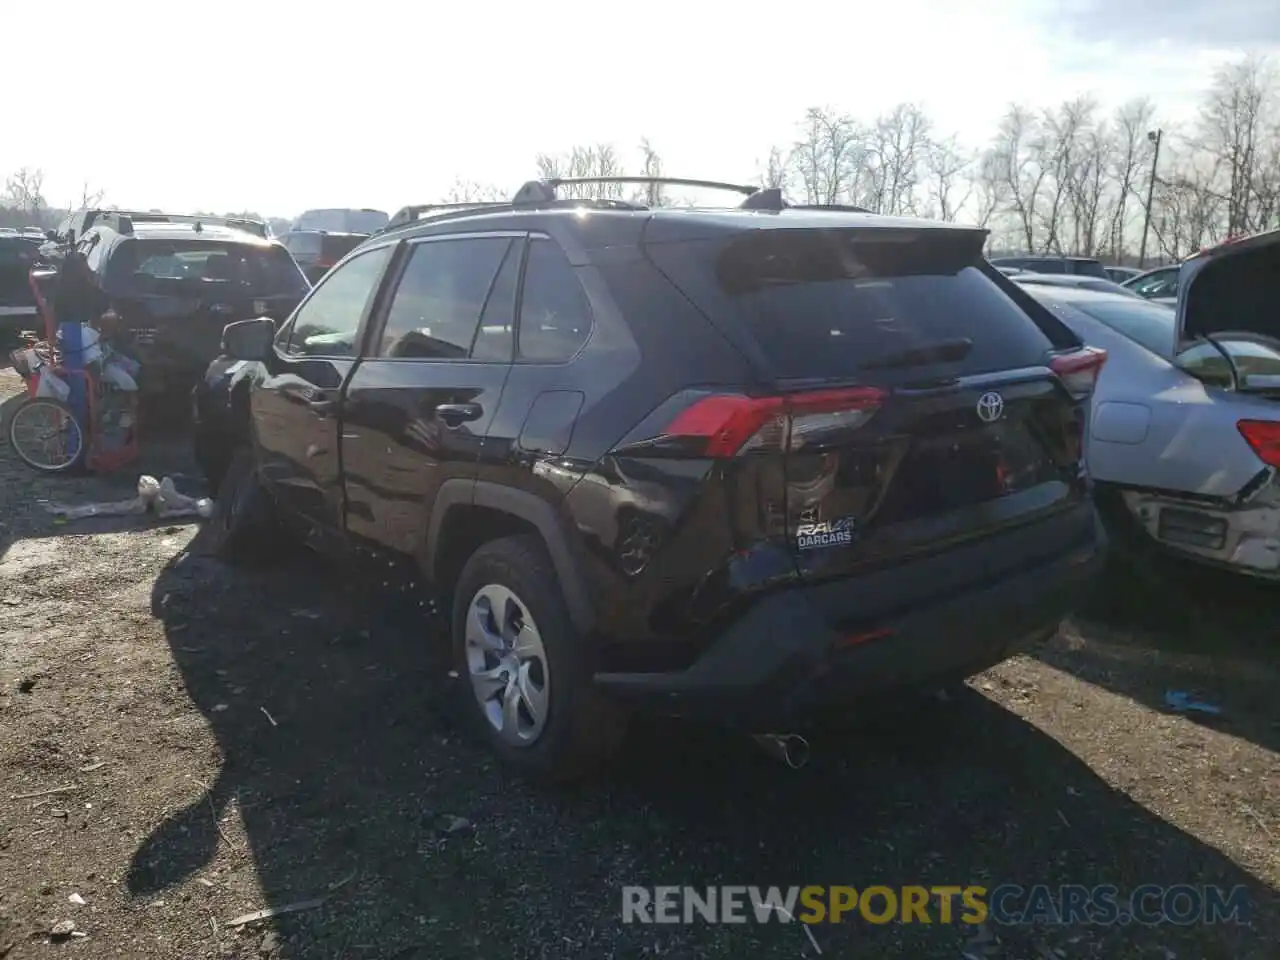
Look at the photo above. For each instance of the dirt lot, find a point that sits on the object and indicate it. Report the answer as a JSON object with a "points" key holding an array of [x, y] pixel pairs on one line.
{"points": [[203, 743]]}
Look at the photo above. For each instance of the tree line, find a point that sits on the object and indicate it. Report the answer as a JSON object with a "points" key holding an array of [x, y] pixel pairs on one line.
{"points": [[1069, 179]]}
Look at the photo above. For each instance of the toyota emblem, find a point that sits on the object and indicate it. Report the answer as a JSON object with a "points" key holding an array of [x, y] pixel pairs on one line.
{"points": [[990, 407]]}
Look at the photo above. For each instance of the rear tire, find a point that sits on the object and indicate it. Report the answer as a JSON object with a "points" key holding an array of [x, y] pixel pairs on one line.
{"points": [[511, 627], [244, 528]]}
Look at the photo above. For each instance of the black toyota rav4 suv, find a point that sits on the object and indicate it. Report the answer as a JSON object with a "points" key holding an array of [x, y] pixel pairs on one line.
{"points": [[749, 464]]}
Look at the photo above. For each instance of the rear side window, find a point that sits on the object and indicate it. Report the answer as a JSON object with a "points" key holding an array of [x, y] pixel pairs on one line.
{"points": [[845, 304], [435, 311], [555, 317]]}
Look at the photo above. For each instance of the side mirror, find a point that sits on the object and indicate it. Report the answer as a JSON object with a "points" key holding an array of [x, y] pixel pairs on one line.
{"points": [[249, 339]]}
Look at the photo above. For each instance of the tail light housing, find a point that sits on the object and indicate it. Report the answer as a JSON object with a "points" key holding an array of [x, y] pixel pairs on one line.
{"points": [[726, 425], [1079, 370], [1263, 436]]}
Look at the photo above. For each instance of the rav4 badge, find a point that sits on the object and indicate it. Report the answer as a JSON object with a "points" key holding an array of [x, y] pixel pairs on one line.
{"points": [[829, 533]]}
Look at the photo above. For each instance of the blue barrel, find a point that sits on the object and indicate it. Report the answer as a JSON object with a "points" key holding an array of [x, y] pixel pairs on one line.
{"points": [[72, 344]]}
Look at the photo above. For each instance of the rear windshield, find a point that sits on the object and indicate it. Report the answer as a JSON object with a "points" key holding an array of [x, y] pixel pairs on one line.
{"points": [[195, 268], [832, 304], [1091, 268]]}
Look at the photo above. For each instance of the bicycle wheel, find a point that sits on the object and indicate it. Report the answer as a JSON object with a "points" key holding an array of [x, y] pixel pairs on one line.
{"points": [[47, 436]]}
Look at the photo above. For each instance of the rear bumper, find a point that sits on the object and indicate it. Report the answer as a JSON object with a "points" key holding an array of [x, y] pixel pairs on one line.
{"points": [[804, 650]]}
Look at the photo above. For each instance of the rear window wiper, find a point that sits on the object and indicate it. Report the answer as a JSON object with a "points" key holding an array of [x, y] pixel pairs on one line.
{"points": [[943, 351]]}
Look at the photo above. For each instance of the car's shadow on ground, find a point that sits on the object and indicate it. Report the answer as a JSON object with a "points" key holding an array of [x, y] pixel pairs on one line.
{"points": [[355, 779], [1161, 628]]}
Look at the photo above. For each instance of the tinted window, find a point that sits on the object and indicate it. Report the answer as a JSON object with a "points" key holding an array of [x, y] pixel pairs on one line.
{"points": [[1148, 323], [17, 253], [197, 268], [328, 323], [555, 318], [435, 311], [495, 339], [827, 304], [1047, 266]]}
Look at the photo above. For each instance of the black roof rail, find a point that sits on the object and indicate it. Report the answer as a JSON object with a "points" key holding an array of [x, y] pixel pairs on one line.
{"points": [[411, 213], [542, 191]]}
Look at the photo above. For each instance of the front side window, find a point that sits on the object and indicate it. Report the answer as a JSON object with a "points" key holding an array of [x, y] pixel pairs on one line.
{"points": [[436, 309], [328, 323]]}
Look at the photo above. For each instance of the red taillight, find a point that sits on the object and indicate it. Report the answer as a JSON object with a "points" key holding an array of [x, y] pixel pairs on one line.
{"points": [[727, 423], [1264, 437], [1079, 370]]}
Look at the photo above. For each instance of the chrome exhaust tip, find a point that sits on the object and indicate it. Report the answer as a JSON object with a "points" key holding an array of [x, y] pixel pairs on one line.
{"points": [[792, 749]]}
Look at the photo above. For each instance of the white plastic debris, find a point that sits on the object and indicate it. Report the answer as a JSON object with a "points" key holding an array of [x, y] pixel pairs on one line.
{"points": [[159, 498], [52, 385]]}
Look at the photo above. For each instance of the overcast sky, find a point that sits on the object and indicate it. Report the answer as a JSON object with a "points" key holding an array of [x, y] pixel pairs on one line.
{"points": [[275, 105]]}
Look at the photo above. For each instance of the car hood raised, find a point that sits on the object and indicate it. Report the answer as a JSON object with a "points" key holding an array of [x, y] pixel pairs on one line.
{"points": [[1233, 287]]}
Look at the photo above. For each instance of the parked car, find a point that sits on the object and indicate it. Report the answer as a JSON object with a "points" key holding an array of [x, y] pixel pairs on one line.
{"points": [[1160, 284], [1121, 274], [315, 251], [699, 461], [1184, 440], [341, 220], [17, 303], [1086, 266], [1080, 281], [175, 281]]}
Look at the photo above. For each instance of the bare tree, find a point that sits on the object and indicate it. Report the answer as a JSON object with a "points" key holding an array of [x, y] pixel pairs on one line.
{"points": [[24, 190], [1130, 159], [830, 157], [777, 170], [1239, 116], [990, 189], [944, 165], [898, 144], [651, 166], [1016, 155], [471, 191], [600, 160]]}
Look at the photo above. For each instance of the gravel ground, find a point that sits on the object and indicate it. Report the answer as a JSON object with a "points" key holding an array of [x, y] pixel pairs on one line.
{"points": [[204, 743]]}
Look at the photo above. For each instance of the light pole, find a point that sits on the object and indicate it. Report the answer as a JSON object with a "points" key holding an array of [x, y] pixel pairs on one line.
{"points": [[1155, 136]]}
